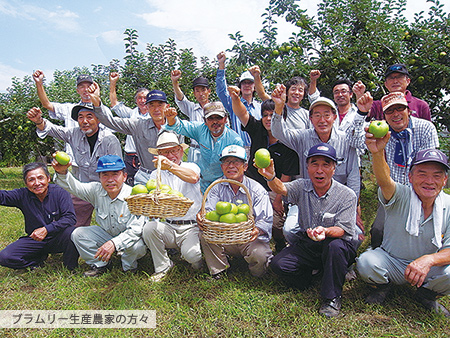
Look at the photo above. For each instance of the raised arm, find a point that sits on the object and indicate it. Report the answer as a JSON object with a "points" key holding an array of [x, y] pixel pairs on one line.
{"points": [[35, 116], [274, 183], [38, 77], [313, 77], [113, 78], [238, 107], [259, 88], [175, 76]]}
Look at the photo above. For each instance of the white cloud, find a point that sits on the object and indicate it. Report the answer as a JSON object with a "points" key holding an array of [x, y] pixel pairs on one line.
{"points": [[6, 74], [58, 19], [112, 37]]}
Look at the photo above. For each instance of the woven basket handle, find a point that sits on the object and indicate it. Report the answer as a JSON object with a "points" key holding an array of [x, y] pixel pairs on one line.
{"points": [[249, 198], [158, 174]]}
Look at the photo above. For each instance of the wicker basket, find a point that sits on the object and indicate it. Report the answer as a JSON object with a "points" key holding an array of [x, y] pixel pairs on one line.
{"points": [[158, 204], [225, 233]]}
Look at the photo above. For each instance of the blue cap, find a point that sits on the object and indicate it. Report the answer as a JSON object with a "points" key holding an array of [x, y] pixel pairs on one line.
{"points": [[110, 163], [322, 149], [156, 95]]}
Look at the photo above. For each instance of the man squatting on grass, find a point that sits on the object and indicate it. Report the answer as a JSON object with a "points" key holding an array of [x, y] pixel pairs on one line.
{"points": [[118, 230], [49, 221], [416, 242], [327, 239]]}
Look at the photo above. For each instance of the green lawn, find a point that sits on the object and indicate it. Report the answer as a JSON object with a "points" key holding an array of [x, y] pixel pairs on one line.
{"points": [[188, 304]]}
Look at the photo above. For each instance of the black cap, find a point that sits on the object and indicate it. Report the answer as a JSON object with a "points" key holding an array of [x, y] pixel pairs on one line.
{"points": [[200, 81], [81, 106], [84, 78], [397, 68]]}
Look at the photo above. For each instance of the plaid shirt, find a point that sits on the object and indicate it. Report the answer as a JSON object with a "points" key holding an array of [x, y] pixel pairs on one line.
{"points": [[424, 136]]}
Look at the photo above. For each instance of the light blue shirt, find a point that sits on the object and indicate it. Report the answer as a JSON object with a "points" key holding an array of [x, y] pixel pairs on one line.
{"points": [[253, 108], [210, 149]]}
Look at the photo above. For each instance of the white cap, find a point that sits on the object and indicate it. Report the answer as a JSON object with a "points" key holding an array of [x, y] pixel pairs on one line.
{"points": [[322, 101], [246, 76], [235, 151]]}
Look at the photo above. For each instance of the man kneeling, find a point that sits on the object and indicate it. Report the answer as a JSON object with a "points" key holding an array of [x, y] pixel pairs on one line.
{"points": [[118, 230], [327, 217], [416, 241]]}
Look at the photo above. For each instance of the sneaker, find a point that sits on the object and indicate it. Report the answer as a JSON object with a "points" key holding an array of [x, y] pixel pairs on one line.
{"points": [[427, 298], [378, 294], [159, 276], [331, 307], [96, 271]]}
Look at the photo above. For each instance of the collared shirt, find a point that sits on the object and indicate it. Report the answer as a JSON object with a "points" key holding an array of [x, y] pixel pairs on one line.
{"points": [[253, 108], [55, 212], [284, 158], [336, 208], [113, 216], [107, 144], [189, 190], [419, 108], [262, 208], [143, 131], [347, 121], [301, 140], [397, 241], [424, 136], [210, 150], [124, 112], [193, 111]]}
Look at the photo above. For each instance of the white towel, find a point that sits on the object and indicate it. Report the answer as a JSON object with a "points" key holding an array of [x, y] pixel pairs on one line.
{"points": [[415, 211]]}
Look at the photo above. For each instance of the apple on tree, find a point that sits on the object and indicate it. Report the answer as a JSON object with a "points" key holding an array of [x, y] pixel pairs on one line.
{"points": [[378, 128]]}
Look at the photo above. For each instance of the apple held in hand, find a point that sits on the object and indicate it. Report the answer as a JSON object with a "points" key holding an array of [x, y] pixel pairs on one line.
{"points": [[262, 158], [62, 158], [378, 128]]}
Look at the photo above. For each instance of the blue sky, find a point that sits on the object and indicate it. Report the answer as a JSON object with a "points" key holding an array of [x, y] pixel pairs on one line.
{"points": [[63, 34]]}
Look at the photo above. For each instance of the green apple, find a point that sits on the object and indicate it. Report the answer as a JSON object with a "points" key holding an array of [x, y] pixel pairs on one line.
{"points": [[243, 208], [378, 128], [223, 208], [241, 217], [228, 218], [262, 158], [234, 208], [175, 192], [62, 158], [165, 188], [139, 189], [212, 216], [151, 184]]}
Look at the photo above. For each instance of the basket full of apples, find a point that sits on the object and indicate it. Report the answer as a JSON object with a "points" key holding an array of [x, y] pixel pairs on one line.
{"points": [[228, 223], [157, 200]]}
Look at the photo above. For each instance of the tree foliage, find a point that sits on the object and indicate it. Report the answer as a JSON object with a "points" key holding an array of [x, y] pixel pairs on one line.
{"points": [[355, 39]]}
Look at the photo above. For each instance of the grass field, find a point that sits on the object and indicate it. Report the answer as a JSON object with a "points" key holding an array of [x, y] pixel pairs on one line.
{"points": [[187, 304]]}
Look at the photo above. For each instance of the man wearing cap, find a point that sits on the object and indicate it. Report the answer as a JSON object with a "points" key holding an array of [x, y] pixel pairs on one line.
{"points": [[117, 230], [49, 221], [144, 131], [63, 111], [285, 159], [178, 232], [140, 112], [397, 79], [327, 238], [213, 135], [256, 251], [247, 87], [416, 243], [409, 134], [89, 141], [194, 111], [322, 114]]}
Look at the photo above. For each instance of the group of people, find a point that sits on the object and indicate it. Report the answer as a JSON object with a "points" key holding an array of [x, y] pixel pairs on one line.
{"points": [[307, 199]]}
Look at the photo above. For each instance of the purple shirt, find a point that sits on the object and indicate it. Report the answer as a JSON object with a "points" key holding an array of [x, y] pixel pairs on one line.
{"points": [[419, 108], [56, 212]]}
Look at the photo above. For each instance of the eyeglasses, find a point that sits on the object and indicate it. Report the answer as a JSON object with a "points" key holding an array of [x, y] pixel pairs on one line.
{"points": [[166, 152], [341, 92], [396, 77], [391, 110], [215, 118], [318, 116], [234, 162]]}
